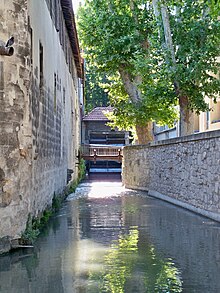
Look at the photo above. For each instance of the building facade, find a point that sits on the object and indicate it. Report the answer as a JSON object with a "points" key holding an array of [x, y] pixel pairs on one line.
{"points": [[97, 133], [40, 98], [95, 129], [205, 121]]}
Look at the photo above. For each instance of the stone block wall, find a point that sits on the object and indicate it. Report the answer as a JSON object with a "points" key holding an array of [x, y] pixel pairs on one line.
{"points": [[184, 171], [39, 115], [15, 125]]}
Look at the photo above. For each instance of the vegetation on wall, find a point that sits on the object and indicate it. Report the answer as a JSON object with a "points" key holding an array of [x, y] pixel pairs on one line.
{"points": [[81, 176]]}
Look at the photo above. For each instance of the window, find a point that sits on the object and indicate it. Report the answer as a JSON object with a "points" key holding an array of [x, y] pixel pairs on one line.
{"points": [[51, 8], [64, 97], [1, 76], [55, 92], [31, 53], [41, 65], [57, 15], [215, 113], [196, 123], [207, 119]]}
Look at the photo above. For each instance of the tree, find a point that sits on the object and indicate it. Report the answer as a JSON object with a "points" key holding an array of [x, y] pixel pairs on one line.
{"points": [[95, 95], [151, 66], [191, 33], [119, 38]]}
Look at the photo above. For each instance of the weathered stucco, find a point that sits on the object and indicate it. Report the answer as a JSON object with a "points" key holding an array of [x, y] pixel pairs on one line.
{"points": [[14, 153], [39, 115], [184, 171]]}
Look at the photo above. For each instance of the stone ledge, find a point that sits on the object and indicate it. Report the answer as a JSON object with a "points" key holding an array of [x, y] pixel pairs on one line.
{"points": [[5, 244], [153, 193], [182, 139]]}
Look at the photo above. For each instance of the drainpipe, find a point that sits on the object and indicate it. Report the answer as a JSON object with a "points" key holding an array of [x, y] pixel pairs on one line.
{"points": [[6, 49]]}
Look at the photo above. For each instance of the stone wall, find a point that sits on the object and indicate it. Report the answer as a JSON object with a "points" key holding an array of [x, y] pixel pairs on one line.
{"points": [[39, 114], [15, 127], [184, 171]]}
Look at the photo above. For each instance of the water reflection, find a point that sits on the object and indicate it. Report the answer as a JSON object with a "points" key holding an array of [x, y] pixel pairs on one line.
{"points": [[125, 242], [125, 270]]}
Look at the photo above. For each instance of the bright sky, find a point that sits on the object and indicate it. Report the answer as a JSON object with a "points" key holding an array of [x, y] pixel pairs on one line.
{"points": [[76, 4]]}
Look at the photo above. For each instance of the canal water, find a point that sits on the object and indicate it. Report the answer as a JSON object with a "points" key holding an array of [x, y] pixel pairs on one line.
{"points": [[108, 239]]}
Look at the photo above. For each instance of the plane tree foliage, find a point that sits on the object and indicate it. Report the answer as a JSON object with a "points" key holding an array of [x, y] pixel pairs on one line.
{"points": [[191, 50], [214, 6], [95, 94], [148, 70], [197, 44], [120, 39]]}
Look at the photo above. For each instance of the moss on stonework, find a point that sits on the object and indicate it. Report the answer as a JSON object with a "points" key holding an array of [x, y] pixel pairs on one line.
{"points": [[81, 175], [31, 232]]}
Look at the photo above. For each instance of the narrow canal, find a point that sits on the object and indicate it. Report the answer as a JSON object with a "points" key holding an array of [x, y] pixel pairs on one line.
{"points": [[107, 239]]}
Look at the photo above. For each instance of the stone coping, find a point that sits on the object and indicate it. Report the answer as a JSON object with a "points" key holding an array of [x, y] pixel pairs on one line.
{"points": [[181, 139]]}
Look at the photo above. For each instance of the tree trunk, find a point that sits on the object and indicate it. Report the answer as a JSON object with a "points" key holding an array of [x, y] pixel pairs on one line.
{"points": [[167, 33], [186, 115], [186, 126], [131, 86], [144, 133], [156, 9]]}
